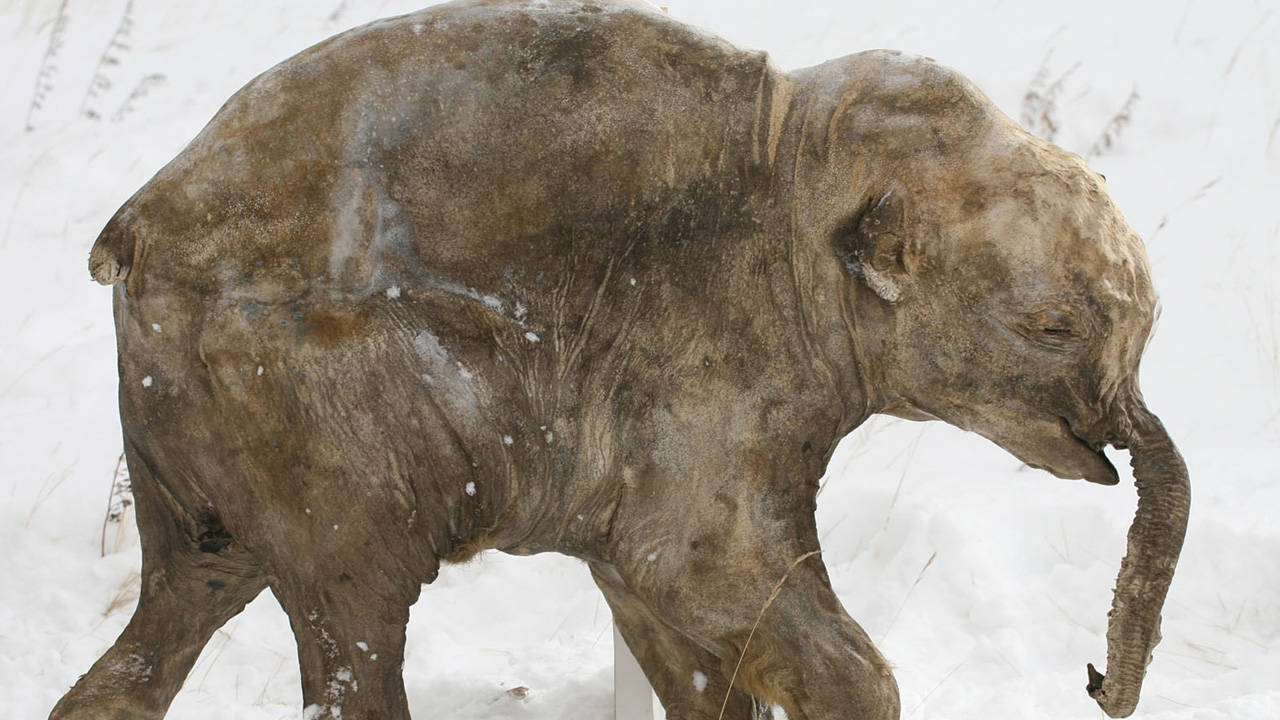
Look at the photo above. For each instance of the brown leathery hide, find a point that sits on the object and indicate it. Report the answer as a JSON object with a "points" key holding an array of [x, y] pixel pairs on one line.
{"points": [[574, 277]]}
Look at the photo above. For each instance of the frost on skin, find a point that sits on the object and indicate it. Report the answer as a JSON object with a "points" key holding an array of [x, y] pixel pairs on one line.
{"points": [[359, 245], [450, 376], [136, 667], [699, 680]]}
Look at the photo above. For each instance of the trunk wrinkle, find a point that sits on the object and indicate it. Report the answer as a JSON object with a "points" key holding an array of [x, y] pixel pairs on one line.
{"points": [[1154, 542]]}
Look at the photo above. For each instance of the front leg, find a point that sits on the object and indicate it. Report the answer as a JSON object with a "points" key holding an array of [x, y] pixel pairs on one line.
{"points": [[686, 677], [707, 552]]}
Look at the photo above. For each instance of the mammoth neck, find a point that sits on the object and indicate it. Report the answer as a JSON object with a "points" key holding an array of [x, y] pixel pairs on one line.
{"points": [[840, 326]]}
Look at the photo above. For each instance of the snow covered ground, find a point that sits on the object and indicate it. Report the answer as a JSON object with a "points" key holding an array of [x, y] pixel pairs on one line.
{"points": [[986, 584]]}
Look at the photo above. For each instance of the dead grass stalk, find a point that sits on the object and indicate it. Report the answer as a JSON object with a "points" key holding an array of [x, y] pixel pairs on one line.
{"points": [[773, 595], [110, 57], [1115, 126], [1040, 102], [48, 64]]}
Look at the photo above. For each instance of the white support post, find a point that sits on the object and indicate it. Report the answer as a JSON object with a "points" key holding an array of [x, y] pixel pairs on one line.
{"points": [[632, 695]]}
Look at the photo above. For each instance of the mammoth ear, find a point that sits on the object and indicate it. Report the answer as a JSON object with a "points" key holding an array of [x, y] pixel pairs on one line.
{"points": [[873, 244]]}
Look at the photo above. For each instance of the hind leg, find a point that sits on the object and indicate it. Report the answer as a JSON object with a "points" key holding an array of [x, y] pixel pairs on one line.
{"points": [[685, 676], [346, 565], [351, 643], [348, 607], [194, 579]]}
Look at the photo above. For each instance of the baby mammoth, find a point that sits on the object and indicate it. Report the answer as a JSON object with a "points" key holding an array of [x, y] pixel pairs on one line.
{"points": [[571, 276]]}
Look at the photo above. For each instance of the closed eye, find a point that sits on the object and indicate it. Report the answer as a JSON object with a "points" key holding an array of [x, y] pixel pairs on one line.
{"points": [[1051, 328]]}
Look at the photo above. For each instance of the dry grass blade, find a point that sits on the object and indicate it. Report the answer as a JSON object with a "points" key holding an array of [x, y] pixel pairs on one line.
{"points": [[1235, 55], [1040, 102], [118, 500], [934, 689], [1204, 190], [126, 593], [144, 86], [262, 695], [908, 455], [111, 55], [1115, 126], [773, 595], [50, 484], [48, 68], [907, 597], [1032, 99]]}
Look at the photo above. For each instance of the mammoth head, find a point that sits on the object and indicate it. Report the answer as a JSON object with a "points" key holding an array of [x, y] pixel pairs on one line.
{"points": [[1010, 298], [1020, 302]]}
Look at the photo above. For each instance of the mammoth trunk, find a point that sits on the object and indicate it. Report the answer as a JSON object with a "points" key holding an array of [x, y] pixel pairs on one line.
{"points": [[1155, 539]]}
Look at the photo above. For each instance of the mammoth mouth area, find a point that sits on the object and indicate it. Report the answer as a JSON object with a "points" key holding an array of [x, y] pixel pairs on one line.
{"points": [[1094, 467], [1103, 472], [1059, 451]]}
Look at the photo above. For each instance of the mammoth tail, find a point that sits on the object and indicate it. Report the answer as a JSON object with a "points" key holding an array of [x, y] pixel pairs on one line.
{"points": [[113, 251]]}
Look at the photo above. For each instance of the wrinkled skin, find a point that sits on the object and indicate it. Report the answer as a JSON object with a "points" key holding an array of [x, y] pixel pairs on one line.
{"points": [[578, 278]]}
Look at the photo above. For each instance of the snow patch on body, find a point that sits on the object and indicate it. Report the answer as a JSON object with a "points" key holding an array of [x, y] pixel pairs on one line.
{"points": [[428, 347], [451, 380], [699, 680]]}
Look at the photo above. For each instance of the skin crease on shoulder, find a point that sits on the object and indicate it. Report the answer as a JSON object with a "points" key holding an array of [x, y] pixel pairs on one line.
{"points": [[574, 277]]}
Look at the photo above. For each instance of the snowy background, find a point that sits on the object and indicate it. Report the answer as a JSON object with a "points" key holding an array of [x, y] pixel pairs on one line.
{"points": [[985, 583]]}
